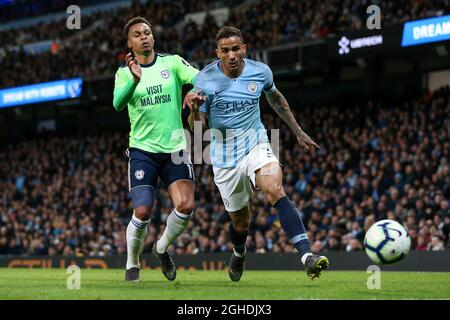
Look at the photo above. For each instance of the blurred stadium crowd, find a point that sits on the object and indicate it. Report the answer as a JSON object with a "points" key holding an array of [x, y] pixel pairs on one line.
{"points": [[69, 195], [99, 47]]}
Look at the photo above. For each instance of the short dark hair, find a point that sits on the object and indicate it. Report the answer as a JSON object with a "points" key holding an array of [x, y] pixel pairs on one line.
{"points": [[226, 32], [132, 22]]}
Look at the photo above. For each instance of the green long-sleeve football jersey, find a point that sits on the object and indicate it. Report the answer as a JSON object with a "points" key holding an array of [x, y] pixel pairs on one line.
{"points": [[154, 104]]}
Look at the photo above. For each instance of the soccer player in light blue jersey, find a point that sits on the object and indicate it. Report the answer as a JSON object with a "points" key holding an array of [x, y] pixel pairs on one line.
{"points": [[228, 91]]}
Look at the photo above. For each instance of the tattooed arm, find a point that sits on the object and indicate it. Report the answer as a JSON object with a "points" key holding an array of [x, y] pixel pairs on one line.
{"points": [[280, 105]]}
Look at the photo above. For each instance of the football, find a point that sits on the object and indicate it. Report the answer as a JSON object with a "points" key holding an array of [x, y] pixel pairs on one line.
{"points": [[387, 242]]}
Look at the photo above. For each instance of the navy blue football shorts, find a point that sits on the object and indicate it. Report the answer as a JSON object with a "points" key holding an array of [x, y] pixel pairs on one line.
{"points": [[144, 169]]}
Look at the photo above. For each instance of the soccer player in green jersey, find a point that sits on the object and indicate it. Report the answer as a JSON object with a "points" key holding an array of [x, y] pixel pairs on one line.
{"points": [[150, 85]]}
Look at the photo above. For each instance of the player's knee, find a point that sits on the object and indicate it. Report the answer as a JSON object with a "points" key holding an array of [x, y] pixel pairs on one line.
{"points": [[143, 213], [185, 206], [275, 192], [241, 226]]}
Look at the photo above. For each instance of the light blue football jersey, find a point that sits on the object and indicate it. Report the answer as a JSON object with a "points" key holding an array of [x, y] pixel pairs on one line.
{"points": [[232, 109]]}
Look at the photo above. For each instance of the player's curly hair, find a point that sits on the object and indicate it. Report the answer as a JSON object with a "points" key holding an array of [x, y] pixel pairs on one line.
{"points": [[226, 32], [132, 22]]}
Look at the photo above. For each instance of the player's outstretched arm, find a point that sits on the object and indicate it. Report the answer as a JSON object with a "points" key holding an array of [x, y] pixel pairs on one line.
{"points": [[123, 94], [193, 101], [196, 115], [279, 103], [124, 88]]}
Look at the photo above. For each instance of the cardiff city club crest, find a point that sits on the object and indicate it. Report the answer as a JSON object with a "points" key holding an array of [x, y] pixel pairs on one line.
{"points": [[139, 174], [165, 74]]}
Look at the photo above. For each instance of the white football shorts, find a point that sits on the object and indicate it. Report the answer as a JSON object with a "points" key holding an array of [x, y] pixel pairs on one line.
{"points": [[234, 184]]}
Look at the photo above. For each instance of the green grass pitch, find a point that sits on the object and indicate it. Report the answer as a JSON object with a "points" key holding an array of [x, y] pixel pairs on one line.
{"points": [[272, 285]]}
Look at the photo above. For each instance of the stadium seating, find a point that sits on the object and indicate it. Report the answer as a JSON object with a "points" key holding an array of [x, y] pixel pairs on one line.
{"points": [[69, 195], [264, 23]]}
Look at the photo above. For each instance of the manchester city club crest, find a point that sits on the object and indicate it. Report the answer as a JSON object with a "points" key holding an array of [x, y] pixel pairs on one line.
{"points": [[252, 87], [165, 74], [139, 174]]}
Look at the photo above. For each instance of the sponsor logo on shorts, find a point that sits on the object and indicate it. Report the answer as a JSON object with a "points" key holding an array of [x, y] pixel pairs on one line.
{"points": [[139, 174]]}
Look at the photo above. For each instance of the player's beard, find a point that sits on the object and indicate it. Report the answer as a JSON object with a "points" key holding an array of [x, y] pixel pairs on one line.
{"points": [[147, 52], [147, 48], [235, 67]]}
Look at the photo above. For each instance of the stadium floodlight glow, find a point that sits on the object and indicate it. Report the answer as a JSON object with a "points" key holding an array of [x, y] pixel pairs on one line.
{"points": [[426, 31], [42, 92], [346, 45]]}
